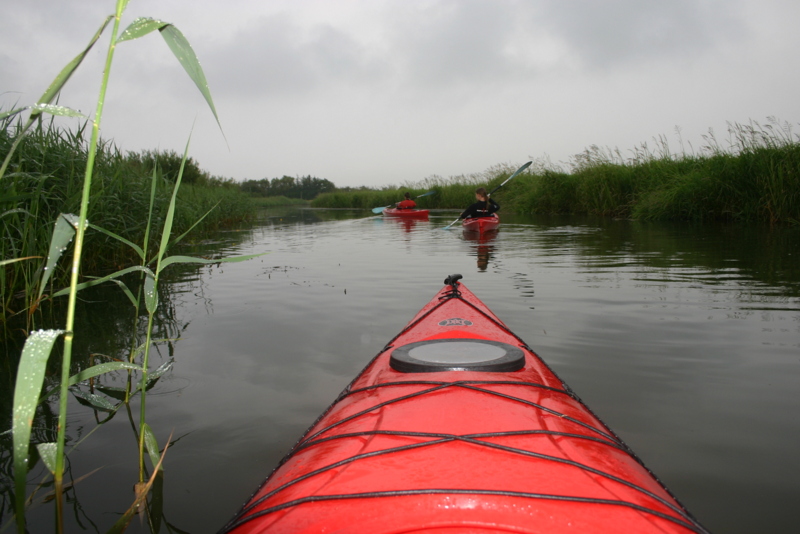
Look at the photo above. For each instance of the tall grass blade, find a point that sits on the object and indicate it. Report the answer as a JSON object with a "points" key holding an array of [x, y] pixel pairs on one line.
{"points": [[11, 113], [30, 377], [65, 74], [187, 58], [97, 281], [198, 221], [180, 48], [14, 260], [189, 259], [119, 238], [52, 91], [63, 233]]}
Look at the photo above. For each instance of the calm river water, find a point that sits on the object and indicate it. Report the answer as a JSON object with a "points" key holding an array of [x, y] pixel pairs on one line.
{"points": [[684, 339]]}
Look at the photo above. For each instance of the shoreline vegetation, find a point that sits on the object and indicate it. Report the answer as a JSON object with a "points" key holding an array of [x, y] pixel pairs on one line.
{"points": [[753, 176], [50, 212], [45, 178]]}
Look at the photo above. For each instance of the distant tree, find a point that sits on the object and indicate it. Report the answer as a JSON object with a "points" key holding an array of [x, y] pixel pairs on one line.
{"points": [[306, 187], [169, 164], [259, 188]]}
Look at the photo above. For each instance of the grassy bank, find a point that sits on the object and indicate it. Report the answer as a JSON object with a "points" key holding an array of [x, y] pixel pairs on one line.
{"points": [[45, 178], [755, 176]]}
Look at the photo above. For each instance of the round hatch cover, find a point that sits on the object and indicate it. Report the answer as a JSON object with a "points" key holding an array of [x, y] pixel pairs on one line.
{"points": [[457, 354]]}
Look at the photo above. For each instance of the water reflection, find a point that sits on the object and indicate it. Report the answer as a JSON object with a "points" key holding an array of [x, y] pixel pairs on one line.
{"points": [[407, 225], [683, 338], [482, 246]]}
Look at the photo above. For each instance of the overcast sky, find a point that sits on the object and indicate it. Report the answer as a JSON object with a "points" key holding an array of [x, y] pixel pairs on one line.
{"points": [[376, 92]]}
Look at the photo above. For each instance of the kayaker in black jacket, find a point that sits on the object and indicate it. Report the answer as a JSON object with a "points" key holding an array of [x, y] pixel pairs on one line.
{"points": [[484, 206]]}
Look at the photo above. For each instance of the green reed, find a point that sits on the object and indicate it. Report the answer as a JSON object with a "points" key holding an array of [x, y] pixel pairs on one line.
{"points": [[453, 192], [45, 179], [754, 175], [68, 227]]}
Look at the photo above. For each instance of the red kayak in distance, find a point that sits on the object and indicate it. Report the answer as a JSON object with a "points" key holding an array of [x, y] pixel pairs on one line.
{"points": [[481, 224], [406, 213], [458, 426]]}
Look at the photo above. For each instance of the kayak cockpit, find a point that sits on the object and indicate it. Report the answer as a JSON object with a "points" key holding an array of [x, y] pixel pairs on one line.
{"points": [[456, 354]]}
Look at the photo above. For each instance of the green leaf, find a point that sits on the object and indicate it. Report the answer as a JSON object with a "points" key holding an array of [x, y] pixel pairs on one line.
{"points": [[187, 58], [166, 231], [63, 233], [189, 259], [150, 293], [127, 291], [52, 91], [111, 276], [12, 112], [121, 239], [65, 74], [140, 27], [198, 221], [153, 377], [94, 371], [15, 210], [151, 445], [119, 394], [14, 260], [166, 366], [94, 401], [52, 109], [30, 376], [101, 369], [47, 452]]}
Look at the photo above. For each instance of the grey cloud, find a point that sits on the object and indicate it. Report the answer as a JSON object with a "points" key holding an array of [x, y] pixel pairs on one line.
{"points": [[456, 41], [276, 56], [615, 32]]}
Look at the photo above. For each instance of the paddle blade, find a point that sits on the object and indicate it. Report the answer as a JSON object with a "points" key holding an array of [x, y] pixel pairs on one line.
{"points": [[522, 168], [379, 210], [451, 224]]}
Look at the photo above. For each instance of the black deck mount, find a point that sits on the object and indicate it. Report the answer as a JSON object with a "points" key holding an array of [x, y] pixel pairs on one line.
{"points": [[453, 279]]}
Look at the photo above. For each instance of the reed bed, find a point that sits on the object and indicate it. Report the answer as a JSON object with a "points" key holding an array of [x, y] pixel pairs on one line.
{"points": [[45, 178], [754, 175], [452, 192], [41, 191]]}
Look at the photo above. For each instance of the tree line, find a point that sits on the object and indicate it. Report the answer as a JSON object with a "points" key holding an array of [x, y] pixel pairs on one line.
{"points": [[306, 187]]}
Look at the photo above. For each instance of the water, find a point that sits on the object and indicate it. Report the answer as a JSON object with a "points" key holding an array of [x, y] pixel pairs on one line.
{"points": [[684, 339]]}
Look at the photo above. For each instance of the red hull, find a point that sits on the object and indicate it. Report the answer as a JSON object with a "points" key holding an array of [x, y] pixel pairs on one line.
{"points": [[407, 214], [481, 224], [403, 451]]}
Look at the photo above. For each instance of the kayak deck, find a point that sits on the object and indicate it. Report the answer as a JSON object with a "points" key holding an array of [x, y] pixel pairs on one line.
{"points": [[406, 213], [458, 425], [481, 224]]}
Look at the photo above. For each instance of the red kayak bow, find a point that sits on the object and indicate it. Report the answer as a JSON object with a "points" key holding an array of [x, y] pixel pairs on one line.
{"points": [[458, 426]]}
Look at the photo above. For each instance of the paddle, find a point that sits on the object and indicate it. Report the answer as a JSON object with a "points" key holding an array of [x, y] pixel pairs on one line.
{"points": [[380, 210], [495, 189]]}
